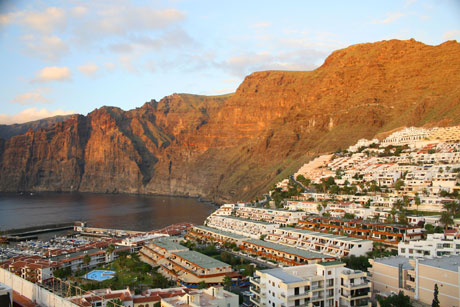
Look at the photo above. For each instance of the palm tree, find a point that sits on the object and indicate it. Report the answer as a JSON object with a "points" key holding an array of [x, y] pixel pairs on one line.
{"points": [[86, 260], [446, 219], [452, 207], [417, 202]]}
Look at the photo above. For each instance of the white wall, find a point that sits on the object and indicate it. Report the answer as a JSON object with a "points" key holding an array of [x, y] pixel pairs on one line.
{"points": [[32, 291]]}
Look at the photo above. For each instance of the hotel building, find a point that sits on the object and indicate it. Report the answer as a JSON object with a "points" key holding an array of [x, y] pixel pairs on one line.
{"points": [[179, 263], [435, 245], [323, 284], [388, 234], [244, 227], [329, 244], [278, 216], [417, 278]]}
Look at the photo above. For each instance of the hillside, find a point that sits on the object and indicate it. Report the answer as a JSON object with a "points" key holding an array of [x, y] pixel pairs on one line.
{"points": [[8, 131], [235, 147]]}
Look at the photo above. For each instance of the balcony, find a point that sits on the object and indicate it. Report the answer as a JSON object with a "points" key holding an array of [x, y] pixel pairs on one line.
{"points": [[255, 300], [299, 296]]}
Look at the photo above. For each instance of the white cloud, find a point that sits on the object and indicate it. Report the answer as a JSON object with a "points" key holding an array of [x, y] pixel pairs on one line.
{"points": [[48, 47], [31, 98], [123, 20], [31, 114], [53, 73], [49, 20], [261, 24], [79, 11], [300, 59], [453, 34], [89, 69], [109, 66], [391, 17]]}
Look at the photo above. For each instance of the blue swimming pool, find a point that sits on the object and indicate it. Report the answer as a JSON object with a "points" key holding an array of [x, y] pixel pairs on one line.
{"points": [[100, 275]]}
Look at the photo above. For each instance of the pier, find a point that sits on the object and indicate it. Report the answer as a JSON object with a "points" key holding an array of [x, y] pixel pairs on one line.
{"points": [[30, 233]]}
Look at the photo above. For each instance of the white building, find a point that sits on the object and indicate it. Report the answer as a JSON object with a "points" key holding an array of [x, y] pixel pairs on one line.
{"points": [[435, 245], [280, 216], [212, 297], [325, 243], [244, 227], [322, 284]]}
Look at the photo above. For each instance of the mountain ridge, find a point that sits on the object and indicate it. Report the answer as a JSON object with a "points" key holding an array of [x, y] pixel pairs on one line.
{"points": [[235, 146]]}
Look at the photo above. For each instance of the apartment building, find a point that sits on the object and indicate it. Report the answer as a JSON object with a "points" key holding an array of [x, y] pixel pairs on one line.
{"points": [[323, 284], [389, 234], [32, 268], [328, 244], [212, 297], [241, 226], [282, 254], [188, 267], [435, 245], [205, 233], [418, 277], [279, 216]]}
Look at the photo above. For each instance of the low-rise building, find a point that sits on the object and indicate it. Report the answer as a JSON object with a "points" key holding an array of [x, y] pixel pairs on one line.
{"points": [[214, 235], [212, 297], [241, 226], [324, 284], [435, 245], [389, 234], [179, 263], [417, 278], [281, 253], [279, 216], [325, 243]]}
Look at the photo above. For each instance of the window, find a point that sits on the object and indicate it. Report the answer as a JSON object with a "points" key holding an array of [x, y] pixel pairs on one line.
{"points": [[329, 272]]}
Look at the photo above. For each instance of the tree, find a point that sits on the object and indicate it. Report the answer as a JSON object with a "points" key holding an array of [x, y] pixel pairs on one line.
{"points": [[86, 260], [227, 282], [394, 300], [399, 184], [452, 207], [202, 285], [446, 219], [114, 303], [435, 302], [417, 203]]}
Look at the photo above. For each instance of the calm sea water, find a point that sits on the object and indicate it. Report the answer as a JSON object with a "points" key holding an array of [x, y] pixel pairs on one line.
{"points": [[130, 212]]}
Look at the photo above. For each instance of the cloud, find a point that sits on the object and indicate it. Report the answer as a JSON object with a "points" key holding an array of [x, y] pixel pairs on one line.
{"points": [[109, 66], [391, 17], [31, 114], [53, 74], [124, 20], [261, 24], [244, 64], [49, 20], [78, 11], [453, 34], [89, 69], [31, 98], [48, 47]]}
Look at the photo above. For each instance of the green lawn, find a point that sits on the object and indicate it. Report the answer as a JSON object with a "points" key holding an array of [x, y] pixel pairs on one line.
{"points": [[130, 272]]}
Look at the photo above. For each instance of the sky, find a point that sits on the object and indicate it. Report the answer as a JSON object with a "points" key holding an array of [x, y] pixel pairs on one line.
{"points": [[64, 57]]}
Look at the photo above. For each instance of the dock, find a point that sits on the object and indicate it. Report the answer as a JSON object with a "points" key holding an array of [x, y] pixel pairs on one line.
{"points": [[30, 233]]}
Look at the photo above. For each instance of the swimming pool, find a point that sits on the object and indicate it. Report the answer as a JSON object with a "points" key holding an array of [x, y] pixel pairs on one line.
{"points": [[100, 275]]}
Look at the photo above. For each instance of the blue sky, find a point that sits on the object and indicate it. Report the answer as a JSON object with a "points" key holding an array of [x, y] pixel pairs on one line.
{"points": [[61, 57]]}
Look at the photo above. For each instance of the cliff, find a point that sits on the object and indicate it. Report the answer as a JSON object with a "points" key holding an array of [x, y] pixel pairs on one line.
{"points": [[234, 147]]}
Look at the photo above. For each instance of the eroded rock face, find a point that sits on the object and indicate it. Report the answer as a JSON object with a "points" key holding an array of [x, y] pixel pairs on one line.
{"points": [[234, 147]]}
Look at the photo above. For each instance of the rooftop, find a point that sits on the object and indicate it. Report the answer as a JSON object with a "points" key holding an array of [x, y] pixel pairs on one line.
{"points": [[221, 232], [201, 260], [247, 220], [168, 244], [395, 261], [283, 275], [287, 249], [323, 235], [450, 263]]}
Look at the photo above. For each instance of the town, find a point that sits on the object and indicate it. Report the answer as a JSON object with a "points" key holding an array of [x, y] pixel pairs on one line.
{"points": [[374, 223]]}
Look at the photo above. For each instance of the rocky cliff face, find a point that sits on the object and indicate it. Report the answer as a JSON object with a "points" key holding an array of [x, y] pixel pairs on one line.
{"points": [[235, 147]]}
